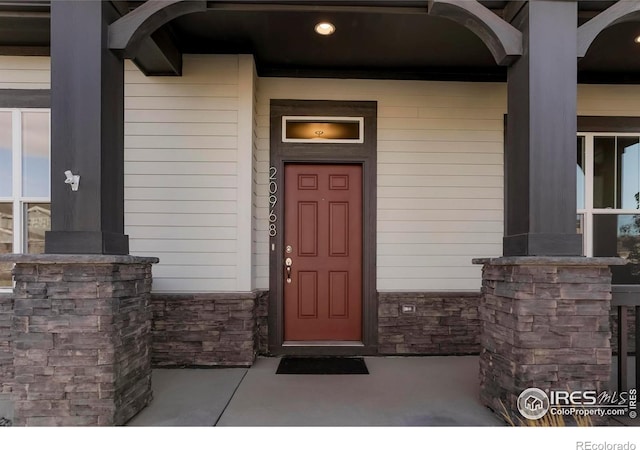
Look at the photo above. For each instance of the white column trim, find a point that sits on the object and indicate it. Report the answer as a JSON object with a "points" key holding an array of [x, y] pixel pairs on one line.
{"points": [[16, 133], [246, 68], [588, 195]]}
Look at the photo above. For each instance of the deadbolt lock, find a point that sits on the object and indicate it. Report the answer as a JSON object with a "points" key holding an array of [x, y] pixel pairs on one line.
{"points": [[288, 262]]}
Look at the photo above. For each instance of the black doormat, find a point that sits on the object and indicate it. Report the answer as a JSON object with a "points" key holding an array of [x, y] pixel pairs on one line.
{"points": [[322, 366]]}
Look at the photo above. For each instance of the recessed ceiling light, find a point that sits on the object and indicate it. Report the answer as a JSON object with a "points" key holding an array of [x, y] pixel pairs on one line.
{"points": [[637, 39], [325, 28]]}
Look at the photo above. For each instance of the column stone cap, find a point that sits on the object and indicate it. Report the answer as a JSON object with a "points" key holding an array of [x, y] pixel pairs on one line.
{"points": [[44, 258], [551, 261]]}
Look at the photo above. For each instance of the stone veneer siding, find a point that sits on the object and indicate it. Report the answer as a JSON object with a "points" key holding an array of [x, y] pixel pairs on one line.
{"points": [[6, 344], [229, 329], [444, 323], [81, 337], [209, 329], [545, 324], [262, 322]]}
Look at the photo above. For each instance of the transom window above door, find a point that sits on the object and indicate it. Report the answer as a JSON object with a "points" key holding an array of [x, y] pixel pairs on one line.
{"points": [[323, 130]]}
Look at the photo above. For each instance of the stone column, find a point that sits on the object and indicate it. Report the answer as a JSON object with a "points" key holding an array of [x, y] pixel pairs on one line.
{"points": [[6, 347], [6, 357], [81, 333], [545, 324]]}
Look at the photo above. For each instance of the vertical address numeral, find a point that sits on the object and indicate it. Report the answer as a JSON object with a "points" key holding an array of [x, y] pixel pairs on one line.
{"points": [[273, 199]]}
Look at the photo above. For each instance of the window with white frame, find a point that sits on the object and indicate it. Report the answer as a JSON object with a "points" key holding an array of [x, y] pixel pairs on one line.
{"points": [[25, 212], [609, 199]]}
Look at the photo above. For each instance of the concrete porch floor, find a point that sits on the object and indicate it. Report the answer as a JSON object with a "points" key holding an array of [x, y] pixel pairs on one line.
{"points": [[399, 391]]}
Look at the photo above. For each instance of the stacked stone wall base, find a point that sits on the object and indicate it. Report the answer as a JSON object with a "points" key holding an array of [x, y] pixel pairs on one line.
{"points": [[545, 324], [81, 332]]}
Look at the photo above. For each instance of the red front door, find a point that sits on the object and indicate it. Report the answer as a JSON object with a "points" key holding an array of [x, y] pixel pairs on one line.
{"points": [[323, 244]]}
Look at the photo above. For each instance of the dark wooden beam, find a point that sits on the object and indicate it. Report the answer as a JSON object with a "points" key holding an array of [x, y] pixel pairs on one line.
{"points": [[127, 34], [502, 39], [540, 145], [87, 132], [511, 9], [159, 55], [25, 98], [609, 124], [25, 50], [495, 74], [122, 6], [622, 11], [318, 7]]}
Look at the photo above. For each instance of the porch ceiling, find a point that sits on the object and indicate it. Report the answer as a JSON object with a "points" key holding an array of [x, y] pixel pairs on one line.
{"points": [[374, 39]]}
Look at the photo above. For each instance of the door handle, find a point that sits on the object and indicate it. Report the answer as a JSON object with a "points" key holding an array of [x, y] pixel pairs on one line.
{"points": [[287, 266]]}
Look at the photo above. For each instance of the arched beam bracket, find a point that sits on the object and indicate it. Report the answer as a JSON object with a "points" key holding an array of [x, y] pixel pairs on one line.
{"points": [[502, 39], [127, 33], [622, 11]]}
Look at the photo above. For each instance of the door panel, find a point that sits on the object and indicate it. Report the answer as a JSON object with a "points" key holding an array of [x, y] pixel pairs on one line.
{"points": [[323, 226]]}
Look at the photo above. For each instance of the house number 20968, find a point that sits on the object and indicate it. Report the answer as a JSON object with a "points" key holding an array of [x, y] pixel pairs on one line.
{"points": [[273, 199]]}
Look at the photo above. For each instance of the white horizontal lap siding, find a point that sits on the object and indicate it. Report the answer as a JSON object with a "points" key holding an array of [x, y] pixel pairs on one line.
{"points": [[25, 72], [181, 161], [440, 176], [440, 190], [608, 100]]}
